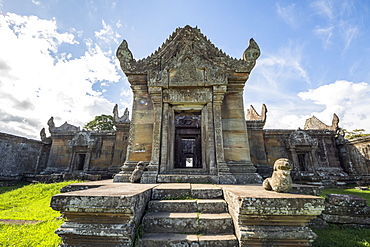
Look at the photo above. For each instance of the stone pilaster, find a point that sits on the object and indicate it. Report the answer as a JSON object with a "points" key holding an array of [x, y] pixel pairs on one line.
{"points": [[141, 128], [150, 176], [225, 176]]}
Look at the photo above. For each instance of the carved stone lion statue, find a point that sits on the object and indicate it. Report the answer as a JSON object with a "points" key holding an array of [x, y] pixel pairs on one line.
{"points": [[138, 172], [280, 180]]}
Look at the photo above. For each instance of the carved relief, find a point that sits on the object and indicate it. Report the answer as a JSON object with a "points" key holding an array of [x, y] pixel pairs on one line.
{"points": [[82, 139], [187, 95]]}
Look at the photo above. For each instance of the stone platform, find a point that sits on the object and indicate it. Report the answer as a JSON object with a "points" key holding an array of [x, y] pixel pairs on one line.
{"points": [[103, 213]]}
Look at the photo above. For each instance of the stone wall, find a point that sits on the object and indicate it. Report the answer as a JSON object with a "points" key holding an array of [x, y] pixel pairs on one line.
{"points": [[358, 155], [20, 157]]}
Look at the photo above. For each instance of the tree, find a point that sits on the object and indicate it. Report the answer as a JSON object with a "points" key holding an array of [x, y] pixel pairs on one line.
{"points": [[355, 134], [102, 122]]}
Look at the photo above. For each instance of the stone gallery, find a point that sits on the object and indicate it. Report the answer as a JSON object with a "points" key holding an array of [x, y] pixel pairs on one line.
{"points": [[190, 138]]}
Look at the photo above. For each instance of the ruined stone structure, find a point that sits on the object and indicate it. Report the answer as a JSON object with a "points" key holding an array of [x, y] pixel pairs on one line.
{"points": [[188, 124]]}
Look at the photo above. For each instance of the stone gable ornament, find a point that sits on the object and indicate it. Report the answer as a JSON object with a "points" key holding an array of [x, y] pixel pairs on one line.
{"points": [[123, 119], [280, 180]]}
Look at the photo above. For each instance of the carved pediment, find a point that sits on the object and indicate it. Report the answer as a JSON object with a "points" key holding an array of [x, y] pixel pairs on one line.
{"points": [[66, 127], [187, 55]]}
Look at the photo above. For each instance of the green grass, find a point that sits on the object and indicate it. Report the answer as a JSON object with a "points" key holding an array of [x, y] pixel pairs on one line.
{"points": [[338, 236], [30, 202], [362, 193]]}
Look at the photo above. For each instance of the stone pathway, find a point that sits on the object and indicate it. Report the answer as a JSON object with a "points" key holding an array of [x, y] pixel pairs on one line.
{"points": [[187, 215]]}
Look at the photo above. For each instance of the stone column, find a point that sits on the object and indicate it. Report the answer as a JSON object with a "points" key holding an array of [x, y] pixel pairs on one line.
{"points": [[150, 176]]}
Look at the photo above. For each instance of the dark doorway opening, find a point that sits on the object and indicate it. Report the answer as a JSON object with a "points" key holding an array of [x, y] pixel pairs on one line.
{"points": [[80, 161], [302, 161], [188, 142]]}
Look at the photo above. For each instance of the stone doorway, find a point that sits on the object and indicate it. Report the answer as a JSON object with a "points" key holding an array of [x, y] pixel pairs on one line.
{"points": [[79, 161], [188, 151]]}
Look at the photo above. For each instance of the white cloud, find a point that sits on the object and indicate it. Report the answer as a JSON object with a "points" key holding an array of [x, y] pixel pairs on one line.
{"points": [[324, 8], [343, 25], [283, 67], [288, 14], [325, 34], [36, 84], [36, 2], [107, 34], [349, 100]]}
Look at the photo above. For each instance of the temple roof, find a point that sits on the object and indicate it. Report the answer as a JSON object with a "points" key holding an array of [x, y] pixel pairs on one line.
{"points": [[187, 46]]}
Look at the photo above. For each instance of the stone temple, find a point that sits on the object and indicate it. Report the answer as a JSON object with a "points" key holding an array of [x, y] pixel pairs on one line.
{"points": [[188, 124]]}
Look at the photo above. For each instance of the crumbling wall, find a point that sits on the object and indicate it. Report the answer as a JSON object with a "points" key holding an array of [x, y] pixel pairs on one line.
{"points": [[358, 151], [21, 157]]}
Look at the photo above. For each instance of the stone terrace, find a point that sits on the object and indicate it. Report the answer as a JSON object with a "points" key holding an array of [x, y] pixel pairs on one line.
{"points": [[183, 214]]}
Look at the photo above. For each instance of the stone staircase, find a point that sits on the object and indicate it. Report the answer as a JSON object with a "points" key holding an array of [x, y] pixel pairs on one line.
{"points": [[187, 215]]}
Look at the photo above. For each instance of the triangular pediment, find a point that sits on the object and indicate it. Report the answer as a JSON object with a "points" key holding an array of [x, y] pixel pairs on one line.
{"points": [[187, 56]]}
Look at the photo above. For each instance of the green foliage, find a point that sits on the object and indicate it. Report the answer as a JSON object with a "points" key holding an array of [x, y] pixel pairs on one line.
{"points": [[355, 133], [102, 122], [30, 202]]}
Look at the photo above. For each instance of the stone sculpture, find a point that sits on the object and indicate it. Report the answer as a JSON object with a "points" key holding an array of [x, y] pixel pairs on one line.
{"points": [[51, 124], [138, 172], [280, 180]]}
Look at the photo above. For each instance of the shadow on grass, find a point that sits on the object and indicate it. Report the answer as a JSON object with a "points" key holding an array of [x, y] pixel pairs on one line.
{"points": [[6, 186]]}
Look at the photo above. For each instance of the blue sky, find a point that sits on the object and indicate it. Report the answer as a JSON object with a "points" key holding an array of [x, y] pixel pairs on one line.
{"points": [[57, 58]]}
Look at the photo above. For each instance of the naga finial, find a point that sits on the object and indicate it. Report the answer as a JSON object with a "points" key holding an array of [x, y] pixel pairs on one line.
{"points": [[124, 55], [252, 52]]}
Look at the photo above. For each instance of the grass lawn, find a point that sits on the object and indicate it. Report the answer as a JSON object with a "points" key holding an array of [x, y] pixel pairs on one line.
{"points": [[30, 202], [337, 236]]}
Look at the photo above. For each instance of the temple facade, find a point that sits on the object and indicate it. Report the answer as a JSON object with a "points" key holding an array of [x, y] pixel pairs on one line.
{"points": [[188, 112]]}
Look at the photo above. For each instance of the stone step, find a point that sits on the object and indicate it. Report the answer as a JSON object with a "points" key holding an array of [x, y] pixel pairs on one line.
{"points": [[187, 178], [166, 222], [186, 191], [188, 206], [172, 239]]}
